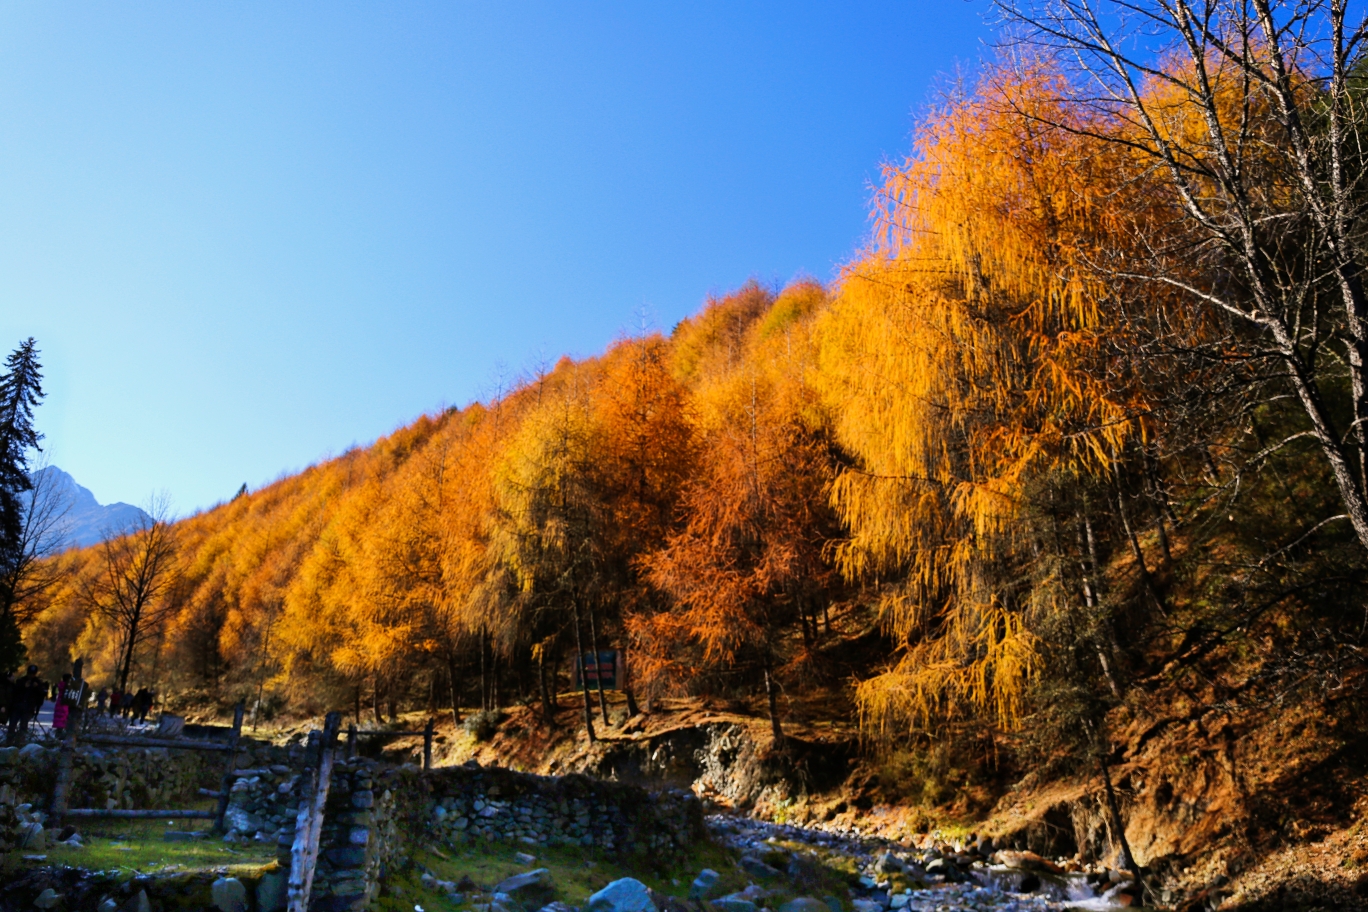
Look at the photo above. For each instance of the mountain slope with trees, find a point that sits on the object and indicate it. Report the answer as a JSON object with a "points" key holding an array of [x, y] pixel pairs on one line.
{"points": [[1069, 460]]}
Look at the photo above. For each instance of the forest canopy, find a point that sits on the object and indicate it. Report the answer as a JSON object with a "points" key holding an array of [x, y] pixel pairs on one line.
{"points": [[1087, 410]]}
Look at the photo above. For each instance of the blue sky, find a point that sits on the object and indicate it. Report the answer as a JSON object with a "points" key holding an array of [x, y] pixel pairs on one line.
{"points": [[248, 236]]}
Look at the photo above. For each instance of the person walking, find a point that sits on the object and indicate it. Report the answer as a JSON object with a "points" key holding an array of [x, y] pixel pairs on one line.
{"points": [[61, 705], [6, 697], [101, 699], [28, 699], [142, 702]]}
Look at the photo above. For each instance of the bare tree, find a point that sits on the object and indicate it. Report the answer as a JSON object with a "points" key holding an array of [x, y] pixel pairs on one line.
{"points": [[1247, 118], [131, 592], [42, 536]]}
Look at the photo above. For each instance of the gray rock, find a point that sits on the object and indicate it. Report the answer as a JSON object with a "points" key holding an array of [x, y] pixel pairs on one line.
{"points": [[29, 751], [833, 904], [864, 905], [558, 906], [626, 895], [523, 858], [887, 864], [48, 899], [33, 836], [732, 904], [704, 884], [899, 901], [107, 905], [228, 895], [138, 903], [271, 891], [758, 869], [804, 904], [530, 890]]}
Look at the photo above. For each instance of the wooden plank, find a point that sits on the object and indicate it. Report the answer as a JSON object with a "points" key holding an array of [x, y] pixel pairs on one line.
{"points": [[226, 785], [161, 814], [167, 743], [309, 823]]}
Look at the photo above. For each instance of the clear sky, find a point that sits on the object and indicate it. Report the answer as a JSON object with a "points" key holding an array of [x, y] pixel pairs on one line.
{"points": [[250, 235]]}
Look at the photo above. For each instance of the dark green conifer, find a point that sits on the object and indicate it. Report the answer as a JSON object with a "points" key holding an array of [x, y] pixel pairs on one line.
{"points": [[21, 390]]}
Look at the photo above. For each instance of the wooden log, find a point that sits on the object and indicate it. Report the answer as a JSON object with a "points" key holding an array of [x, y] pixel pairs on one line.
{"points": [[161, 814], [226, 785], [309, 823], [167, 743], [62, 785], [209, 793]]}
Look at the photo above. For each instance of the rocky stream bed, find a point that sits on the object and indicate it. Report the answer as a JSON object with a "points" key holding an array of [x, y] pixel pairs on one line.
{"points": [[939, 876]]}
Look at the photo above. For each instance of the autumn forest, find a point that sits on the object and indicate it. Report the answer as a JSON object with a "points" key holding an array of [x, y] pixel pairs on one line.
{"points": [[1085, 421]]}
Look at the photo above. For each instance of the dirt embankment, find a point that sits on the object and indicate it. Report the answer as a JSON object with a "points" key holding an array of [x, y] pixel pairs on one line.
{"points": [[1245, 810]]}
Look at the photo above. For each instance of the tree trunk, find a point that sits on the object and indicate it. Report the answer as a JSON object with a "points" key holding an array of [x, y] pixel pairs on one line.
{"points": [[1117, 827], [375, 698], [772, 695], [584, 682], [594, 644], [453, 675], [547, 698], [484, 674], [632, 709]]}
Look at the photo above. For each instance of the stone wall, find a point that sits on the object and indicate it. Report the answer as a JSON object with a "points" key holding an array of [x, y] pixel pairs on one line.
{"points": [[500, 805], [122, 778], [376, 812]]}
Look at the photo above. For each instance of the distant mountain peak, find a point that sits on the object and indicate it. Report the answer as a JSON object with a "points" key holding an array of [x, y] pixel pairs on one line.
{"points": [[84, 520]]}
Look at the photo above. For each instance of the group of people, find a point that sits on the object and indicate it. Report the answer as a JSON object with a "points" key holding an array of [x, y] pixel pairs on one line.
{"points": [[21, 699], [132, 706]]}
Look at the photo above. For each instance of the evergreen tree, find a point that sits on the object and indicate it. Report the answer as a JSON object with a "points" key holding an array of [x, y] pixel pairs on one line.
{"points": [[20, 390]]}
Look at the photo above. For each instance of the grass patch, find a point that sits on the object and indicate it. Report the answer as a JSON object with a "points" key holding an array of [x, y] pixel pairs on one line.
{"points": [[140, 846], [578, 873]]}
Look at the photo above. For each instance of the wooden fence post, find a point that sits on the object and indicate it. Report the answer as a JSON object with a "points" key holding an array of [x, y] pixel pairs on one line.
{"points": [[227, 784], [309, 823], [67, 755], [63, 784], [351, 741], [427, 744]]}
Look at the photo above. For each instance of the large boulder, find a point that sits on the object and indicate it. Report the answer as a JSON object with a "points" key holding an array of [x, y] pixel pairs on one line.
{"points": [[804, 904], [704, 885], [625, 895], [228, 895], [530, 890]]}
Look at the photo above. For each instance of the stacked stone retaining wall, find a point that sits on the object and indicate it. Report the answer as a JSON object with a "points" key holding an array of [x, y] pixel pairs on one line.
{"points": [[376, 813]]}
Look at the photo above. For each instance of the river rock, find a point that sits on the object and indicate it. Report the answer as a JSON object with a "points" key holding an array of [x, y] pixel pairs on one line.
{"points": [[271, 891], [529, 890], [758, 869], [29, 751], [48, 899], [228, 895], [733, 904], [704, 884], [888, 864], [138, 903], [804, 904], [625, 895], [107, 905], [523, 858], [1026, 861], [558, 906]]}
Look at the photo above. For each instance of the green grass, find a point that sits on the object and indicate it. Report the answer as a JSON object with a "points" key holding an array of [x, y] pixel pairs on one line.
{"points": [[139, 846], [578, 873]]}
